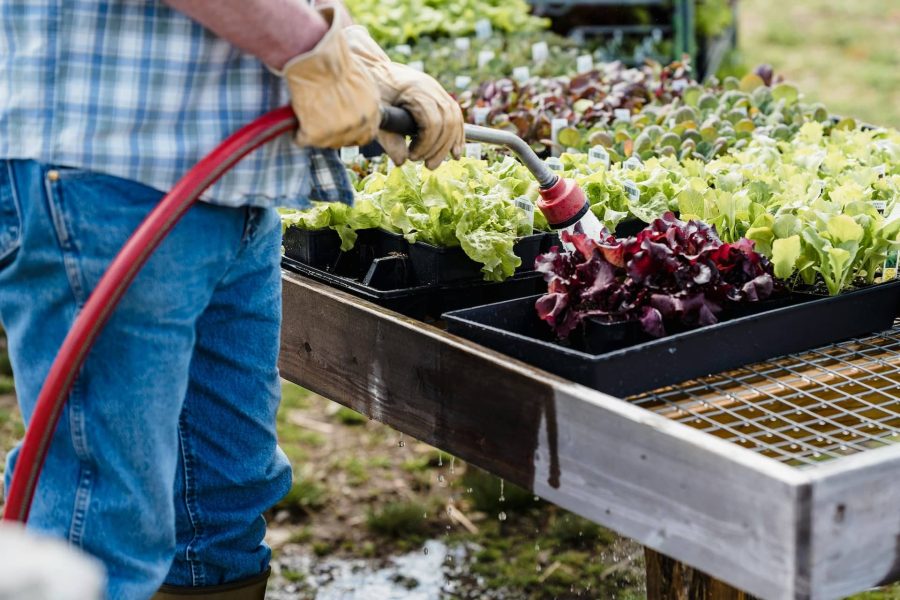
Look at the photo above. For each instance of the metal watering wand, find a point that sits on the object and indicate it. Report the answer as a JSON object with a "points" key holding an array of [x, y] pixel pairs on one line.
{"points": [[562, 202]]}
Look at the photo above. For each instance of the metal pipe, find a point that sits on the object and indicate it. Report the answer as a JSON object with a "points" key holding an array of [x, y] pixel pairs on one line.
{"points": [[545, 177]]}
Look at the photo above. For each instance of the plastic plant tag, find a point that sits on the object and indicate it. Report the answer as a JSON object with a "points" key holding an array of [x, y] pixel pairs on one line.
{"points": [[484, 57], [880, 205], [461, 44], [483, 29], [521, 74], [539, 52], [462, 82], [622, 114], [598, 154], [633, 163], [634, 194], [679, 85], [526, 224], [473, 150], [404, 49], [554, 163], [584, 63], [418, 65], [481, 114], [349, 154]]}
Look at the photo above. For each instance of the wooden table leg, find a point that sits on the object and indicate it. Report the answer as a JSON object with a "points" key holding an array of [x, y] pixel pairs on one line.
{"points": [[668, 579]]}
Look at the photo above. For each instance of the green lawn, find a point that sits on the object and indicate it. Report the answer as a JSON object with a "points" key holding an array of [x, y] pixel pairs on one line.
{"points": [[844, 53]]}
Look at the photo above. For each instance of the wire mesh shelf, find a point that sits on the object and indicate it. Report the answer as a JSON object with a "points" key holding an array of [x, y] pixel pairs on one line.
{"points": [[801, 409]]}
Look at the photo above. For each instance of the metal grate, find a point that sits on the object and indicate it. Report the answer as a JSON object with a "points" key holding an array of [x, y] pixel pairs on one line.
{"points": [[801, 409]]}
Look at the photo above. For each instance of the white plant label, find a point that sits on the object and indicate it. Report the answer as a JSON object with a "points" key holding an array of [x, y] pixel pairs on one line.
{"points": [[418, 65], [349, 154], [598, 154], [473, 150], [483, 29], [622, 114], [657, 34], [463, 82], [584, 63], [527, 207], [634, 194], [481, 114], [633, 163], [880, 205], [404, 49], [540, 52], [554, 164], [484, 57], [521, 74], [461, 44]]}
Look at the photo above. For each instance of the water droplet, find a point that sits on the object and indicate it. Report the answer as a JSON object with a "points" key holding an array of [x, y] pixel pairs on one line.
{"points": [[502, 497], [425, 549], [538, 568], [536, 499], [537, 547], [441, 478], [440, 459], [401, 443], [452, 465], [468, 490], [502, 516]]}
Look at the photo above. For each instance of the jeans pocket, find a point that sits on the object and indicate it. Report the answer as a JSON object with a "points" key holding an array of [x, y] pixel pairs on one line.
{"points": [[10, 216]]}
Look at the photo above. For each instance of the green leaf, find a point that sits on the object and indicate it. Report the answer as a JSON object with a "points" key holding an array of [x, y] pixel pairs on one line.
{"points": [[786, 92], [785, 253], [842, 228]]}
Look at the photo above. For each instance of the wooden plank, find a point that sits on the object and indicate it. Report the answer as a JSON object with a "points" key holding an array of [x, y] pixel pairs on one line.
{"points": [[855, 523], [718, 507]]}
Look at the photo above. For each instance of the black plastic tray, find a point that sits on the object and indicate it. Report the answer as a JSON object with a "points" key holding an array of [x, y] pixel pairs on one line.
{"points": [[432, 264], [318, 247], [514, 328], [419, 301]]}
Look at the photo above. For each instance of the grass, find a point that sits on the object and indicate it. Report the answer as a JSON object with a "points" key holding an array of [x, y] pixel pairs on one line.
{"points": [[842, 53], [398, 519]]}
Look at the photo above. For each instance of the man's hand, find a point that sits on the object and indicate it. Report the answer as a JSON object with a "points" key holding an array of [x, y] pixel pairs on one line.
{"points": [[437, 114], [333, 94]]}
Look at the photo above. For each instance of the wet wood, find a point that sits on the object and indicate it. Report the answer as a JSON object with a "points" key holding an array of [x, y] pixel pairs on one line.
{"points": [[668, 579], [775, 531]]}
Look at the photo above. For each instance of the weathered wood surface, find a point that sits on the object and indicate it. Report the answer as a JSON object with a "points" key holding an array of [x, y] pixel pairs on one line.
{"points": [[668, 579], [740, 517]]}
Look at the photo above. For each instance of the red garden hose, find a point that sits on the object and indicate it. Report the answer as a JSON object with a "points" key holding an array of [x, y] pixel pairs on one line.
{"points": [[112, 287]]}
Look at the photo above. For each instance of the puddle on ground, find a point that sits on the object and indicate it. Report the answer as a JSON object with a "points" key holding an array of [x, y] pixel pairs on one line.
{"points": [[429, 573]]}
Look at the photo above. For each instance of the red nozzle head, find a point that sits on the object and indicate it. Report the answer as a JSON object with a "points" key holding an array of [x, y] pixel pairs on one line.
{"points": [[563, 203]]}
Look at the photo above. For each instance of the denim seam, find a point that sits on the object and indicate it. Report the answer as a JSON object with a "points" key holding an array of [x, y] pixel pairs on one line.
{"points": [[198, 573], [14, 194], [69, 253], [82, 503]]}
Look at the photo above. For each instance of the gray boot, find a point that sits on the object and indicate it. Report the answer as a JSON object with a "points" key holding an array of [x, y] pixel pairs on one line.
{"points": [[251, 588]]}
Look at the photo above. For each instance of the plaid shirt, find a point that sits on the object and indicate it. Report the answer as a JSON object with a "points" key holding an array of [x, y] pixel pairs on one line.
{"points": [[135, 89]]}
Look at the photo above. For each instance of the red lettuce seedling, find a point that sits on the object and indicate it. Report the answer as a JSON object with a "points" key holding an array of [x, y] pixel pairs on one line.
{"points": [[672, 272]]}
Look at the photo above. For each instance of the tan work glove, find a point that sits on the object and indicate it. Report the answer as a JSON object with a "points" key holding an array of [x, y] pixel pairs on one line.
{"points": [[436, 113], [333, 95]]}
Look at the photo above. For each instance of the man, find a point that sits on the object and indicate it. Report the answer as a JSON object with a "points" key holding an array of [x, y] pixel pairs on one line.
{"points": [[166, 455]]}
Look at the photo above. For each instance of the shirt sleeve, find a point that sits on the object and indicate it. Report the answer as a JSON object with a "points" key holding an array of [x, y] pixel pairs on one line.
{"points": [[330, 182]]}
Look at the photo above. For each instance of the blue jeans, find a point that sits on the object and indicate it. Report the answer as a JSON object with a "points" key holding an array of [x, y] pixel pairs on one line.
{"points": [[165, 457]]}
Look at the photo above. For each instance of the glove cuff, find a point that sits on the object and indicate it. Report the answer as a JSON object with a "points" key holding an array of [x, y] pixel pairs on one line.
{"points": [[329, 57]]}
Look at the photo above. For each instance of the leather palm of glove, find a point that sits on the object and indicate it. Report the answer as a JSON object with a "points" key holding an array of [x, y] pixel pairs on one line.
{"points": [[333, 94], [437, 115]]}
